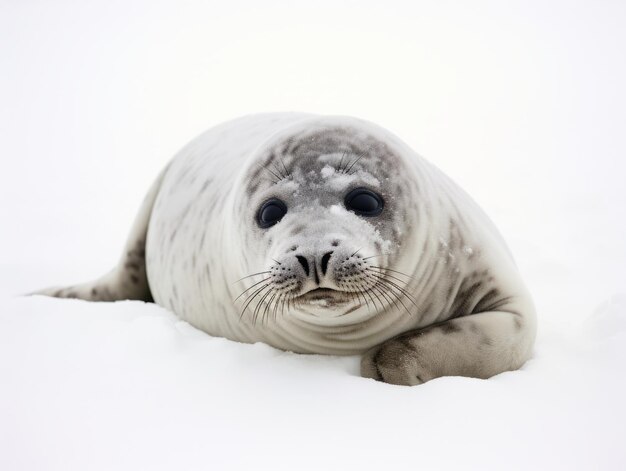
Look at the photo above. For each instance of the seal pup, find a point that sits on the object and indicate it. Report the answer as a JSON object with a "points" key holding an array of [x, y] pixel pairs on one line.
{"points": [[326, 234]]}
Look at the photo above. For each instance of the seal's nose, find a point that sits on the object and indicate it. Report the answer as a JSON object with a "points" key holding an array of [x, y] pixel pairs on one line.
{"points": [[305, 264], [313, 264], [325, 260]]}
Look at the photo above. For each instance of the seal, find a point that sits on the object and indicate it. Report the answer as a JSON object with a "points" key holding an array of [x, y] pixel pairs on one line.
{"points": [[326, 234]]}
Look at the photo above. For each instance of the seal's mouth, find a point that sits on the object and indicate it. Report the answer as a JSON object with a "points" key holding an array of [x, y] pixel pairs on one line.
{"points": [[324, 297]]}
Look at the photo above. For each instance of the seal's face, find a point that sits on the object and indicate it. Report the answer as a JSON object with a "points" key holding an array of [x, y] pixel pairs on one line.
{"points": [[325, 218]]}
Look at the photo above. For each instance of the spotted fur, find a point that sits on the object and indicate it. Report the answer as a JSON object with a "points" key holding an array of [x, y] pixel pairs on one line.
{"points": [[425, 289]]}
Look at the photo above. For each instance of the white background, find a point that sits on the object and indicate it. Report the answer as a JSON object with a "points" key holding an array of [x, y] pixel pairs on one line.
{"points": [[522, 103]]}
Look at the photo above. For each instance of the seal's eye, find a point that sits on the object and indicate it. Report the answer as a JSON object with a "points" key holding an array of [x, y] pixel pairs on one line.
{"points": [[271, 212], [364, 202]]}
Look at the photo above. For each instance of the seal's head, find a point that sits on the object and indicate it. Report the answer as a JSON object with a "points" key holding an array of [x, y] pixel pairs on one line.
{"points": [[324, 219]]}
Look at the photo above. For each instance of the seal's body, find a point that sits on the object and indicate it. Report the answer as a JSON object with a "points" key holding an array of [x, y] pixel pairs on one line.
{"points": [[326, 235]]}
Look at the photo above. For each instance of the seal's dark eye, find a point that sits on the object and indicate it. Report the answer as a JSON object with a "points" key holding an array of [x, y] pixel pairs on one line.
{"points": [[271, 212], [364, 202]]}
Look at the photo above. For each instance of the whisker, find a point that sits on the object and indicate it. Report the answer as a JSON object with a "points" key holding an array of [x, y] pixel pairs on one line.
{"points": [[379, 289], [276, 176], [396, 295], [277, 168], [276, 303], [398, 287], [405, 292], [257, 308], [282, 309], [369, 294], [254, 295], [284, 166], [354, 163], [280, 296], [382, 273], [374, 287], [291, 299], [393, 300], [374, 256], [392, 271], [340, 169], [250, 276], [397, 298], [353, 292], [275, 310], [359, 291], [248, 289], [267, 307], [397, 292], [366, 294]]}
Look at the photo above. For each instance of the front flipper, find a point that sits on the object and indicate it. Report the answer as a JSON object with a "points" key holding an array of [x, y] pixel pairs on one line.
{"points": [[479, 345], [128, 280]]}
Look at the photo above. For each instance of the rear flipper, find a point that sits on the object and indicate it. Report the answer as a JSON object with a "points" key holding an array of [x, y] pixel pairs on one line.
{"points": [[128, 280]]}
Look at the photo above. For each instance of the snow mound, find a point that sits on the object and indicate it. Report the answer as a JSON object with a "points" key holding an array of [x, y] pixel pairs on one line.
{"points": [[128, 385]]}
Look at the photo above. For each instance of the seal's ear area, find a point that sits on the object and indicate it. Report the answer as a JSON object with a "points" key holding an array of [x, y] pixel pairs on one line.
{"points": [[128, 280]]}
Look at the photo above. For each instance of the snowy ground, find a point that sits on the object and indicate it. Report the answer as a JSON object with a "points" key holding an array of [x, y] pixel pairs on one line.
{"points": [[522, 103]]}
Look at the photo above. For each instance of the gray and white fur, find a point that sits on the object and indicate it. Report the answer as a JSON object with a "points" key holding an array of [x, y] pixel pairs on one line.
{"points": [[425, 289]]}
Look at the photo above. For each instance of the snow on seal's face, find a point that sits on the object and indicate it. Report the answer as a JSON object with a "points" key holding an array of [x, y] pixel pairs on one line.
{"points": [[325, 216]]}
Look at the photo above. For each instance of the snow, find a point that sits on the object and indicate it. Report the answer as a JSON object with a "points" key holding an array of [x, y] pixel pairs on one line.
{"points": [[129, 386], [522, 103]]}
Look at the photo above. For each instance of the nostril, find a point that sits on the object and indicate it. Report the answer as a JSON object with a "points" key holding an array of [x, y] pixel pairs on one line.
{"points": [[325, 260], [304, 264]]}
